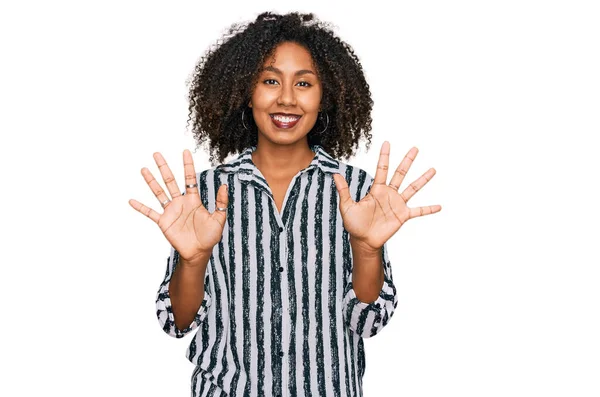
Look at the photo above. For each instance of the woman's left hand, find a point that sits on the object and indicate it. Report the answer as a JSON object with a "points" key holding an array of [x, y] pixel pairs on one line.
{"points": [[375, 218]]}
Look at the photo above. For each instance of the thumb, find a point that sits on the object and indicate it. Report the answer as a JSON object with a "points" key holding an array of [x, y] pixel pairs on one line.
{"points": [[342, 187], [222, 198]]}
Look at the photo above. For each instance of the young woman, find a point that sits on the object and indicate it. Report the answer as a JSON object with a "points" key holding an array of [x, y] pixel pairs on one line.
{"points": [[278, 256]]}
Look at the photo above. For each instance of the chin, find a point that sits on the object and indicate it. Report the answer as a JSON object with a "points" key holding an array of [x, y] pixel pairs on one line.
{"points": [[284, 138]]}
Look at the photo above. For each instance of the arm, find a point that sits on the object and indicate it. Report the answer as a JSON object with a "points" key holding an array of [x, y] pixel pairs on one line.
{"points": [[368, 317], [184, 291], [367, 271], [370, 295]]}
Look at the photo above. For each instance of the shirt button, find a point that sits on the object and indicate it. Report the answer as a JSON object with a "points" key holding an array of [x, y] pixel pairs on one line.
{"points": [[280, 354], [281, 269], [280, 229]]}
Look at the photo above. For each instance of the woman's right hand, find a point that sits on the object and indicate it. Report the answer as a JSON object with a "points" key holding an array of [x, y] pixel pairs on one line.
{"points": [[185, 222]]}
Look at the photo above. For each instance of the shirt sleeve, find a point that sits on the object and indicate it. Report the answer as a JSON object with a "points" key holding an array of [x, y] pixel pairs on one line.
{"points": [[368, 319], [164, 310]]}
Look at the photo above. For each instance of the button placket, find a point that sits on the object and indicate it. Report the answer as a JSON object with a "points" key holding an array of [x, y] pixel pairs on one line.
{"points": [[283, 251]]}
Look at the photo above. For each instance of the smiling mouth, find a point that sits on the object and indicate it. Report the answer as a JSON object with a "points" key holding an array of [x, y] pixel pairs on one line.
{"points": [[285, 121]]}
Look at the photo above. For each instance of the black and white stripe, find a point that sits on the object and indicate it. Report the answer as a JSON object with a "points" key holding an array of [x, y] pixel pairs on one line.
{"points": [[280, 316]]}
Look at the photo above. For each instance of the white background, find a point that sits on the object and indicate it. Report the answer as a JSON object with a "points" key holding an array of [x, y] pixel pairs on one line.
{"points": [[498, 293]]}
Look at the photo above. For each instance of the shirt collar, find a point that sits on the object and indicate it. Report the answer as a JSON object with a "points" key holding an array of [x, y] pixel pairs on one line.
{"points": [[246, 170]]}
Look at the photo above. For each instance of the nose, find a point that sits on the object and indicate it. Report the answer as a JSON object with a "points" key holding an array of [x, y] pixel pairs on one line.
{"points": [[287, 96]]}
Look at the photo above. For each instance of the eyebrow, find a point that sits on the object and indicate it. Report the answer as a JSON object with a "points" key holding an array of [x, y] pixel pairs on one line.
{"points": [[278, 71]]}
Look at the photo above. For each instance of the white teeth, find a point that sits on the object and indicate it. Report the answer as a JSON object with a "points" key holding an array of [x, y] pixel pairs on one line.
{"points": [[285, 119]]}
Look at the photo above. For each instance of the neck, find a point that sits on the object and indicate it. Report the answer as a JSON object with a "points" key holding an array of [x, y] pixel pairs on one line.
{"points": [[282, 160]]}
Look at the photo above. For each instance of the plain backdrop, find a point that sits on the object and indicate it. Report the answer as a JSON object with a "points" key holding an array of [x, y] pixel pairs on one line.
{"points": [[498, 293]]}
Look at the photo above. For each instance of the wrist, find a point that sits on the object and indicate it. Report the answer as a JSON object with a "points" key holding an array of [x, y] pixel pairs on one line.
{"points": [[199, 259], [363, 248]]}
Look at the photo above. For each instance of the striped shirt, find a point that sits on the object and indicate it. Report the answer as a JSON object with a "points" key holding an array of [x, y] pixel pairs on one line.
{"points": [[279, 315]]}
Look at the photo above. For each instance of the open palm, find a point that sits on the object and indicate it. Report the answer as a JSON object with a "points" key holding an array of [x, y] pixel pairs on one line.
{"points": [[190, 228], [381, 213]]}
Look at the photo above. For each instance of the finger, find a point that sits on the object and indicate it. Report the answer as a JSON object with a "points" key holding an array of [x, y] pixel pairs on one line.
{"points": [[403, 168], [167, 175], [222, 201], [222, 197], [158, 191], [417, 185], [382, 165], [422, 211], [141, 208], [190, 173], [342, 187]]}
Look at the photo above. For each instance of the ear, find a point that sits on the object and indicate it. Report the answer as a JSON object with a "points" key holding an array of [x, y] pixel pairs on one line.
{"points": [[249, 104]]}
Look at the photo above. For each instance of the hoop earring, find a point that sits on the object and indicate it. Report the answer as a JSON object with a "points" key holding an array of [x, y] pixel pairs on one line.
{"points": [[326, 125], [243, 123]]}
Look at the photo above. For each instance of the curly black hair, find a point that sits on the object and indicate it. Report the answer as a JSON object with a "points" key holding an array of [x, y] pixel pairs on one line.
{"points": [[224, 79]]}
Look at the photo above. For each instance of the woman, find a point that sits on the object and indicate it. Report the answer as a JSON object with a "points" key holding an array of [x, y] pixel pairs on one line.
{"points": [[278, 256]]}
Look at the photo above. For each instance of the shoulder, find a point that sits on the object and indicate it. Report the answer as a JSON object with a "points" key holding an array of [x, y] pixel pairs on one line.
{"points": [[209, 176], [224, 169], [359, 181], [354, 174]]}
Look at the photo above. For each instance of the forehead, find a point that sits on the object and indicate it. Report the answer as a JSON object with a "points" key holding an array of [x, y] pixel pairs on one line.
{"points": [[291, 56]]}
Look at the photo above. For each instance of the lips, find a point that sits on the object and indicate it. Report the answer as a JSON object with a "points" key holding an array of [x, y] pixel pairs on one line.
{"points": [[285, 120]]}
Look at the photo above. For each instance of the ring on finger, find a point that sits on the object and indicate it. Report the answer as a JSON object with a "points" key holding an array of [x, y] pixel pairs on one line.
{"points": [[192, 186], [165, 203]]}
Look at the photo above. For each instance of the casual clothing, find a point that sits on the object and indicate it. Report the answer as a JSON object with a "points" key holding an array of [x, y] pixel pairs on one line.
{"points": [[279, 315]]}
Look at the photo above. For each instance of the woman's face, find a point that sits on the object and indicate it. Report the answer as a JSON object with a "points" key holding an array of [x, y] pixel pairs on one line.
{"points": [[288, 84]]}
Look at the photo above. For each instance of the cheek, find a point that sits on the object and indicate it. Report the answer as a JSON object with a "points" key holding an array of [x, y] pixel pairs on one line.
{"points": [[312, 101], [262, 99]]}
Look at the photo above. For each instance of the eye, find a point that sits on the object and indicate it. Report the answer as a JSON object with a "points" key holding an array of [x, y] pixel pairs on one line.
{"points": [[305, 82], [269, 80]]}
